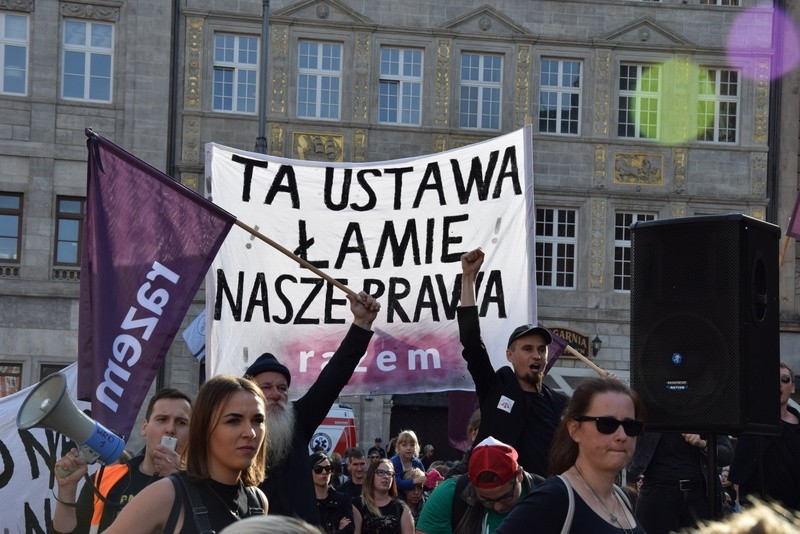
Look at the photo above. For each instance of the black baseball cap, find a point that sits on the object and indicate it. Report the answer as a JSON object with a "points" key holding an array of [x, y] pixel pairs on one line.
{"points": [[526, 329]]}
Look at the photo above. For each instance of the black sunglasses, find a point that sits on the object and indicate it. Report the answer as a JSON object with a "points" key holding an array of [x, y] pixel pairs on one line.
{"points": [[318, 469], [609, 425], [785, 379]]}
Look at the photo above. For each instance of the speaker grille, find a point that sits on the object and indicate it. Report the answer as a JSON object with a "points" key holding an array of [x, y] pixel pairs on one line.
{"points": [[686, 314]]}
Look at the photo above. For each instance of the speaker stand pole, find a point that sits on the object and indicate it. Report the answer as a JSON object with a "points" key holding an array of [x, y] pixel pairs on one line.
{"points": [[714, 501]]}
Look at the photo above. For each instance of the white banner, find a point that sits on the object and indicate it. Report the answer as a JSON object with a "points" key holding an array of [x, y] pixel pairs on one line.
{"points": [[26, 457], [395, 229]]}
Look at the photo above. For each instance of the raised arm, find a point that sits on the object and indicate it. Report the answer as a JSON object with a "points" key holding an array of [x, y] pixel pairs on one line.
{"points": [[470, 266]]}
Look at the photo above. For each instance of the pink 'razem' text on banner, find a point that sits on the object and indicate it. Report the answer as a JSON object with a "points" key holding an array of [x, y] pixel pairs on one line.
{"points": [[148, 242]]}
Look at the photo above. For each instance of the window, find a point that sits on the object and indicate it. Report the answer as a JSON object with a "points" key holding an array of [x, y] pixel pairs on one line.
{"points": [[719, 2], [319, 80], [400, 86], [10, 378], [481, 83], [14, 53], [559, 96], [622, 247], [718, 105], [555, 247], [639, 101], [10, 219], [235, 73], [88, 61], [69, 230], [47, 369]]}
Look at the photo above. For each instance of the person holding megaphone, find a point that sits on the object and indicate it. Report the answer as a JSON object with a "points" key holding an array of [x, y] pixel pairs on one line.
{"points": [[165, 429]]}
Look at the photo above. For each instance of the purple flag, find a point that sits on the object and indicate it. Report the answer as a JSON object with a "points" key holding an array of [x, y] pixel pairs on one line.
{"points": [[554, 350], [793, 229], [148, 242]]}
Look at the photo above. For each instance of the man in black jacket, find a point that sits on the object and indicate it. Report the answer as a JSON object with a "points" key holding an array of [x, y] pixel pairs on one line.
{"points": [[516, 407], [291, 425]]}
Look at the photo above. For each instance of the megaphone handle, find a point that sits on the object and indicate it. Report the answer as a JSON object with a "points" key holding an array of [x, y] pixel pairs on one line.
{"points": [[85, 453]]}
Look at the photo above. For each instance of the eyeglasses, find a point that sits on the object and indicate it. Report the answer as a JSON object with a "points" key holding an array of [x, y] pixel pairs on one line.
{"points": [[383, 473], [489, 503], [785, 379], [318, 469], [609, 425]]}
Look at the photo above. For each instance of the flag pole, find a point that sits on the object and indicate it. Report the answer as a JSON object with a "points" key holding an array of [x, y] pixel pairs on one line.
{"points": [[784, 246], [585, 360], [295, 257]]}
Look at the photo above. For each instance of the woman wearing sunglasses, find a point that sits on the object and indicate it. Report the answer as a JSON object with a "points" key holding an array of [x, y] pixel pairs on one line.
{"points": [[594, 441], [337, 514], [381, 511]]}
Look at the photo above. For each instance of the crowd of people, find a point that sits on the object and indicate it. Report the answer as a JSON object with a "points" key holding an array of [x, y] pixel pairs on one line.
{"points": [[540, 461]]}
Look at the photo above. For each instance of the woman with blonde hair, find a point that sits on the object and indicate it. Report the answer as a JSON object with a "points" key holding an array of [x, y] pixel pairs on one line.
{"points": [[381, 511], [407, 446], [224, 459]]}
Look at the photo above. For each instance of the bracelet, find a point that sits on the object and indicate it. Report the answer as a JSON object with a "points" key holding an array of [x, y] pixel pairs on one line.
{"points": [[70, 504]]}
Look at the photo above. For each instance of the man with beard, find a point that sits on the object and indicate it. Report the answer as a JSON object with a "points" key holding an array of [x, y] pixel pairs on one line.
{"points": [[516, 407], [290, 426]]}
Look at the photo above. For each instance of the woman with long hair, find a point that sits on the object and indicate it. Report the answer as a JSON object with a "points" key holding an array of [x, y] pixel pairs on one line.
{"points": [[337, 513], [594, 441], [381, 511], [224, 459]]}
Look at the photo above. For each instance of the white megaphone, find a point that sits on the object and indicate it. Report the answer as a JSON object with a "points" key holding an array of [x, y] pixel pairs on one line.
{"points": [[50, 406]]}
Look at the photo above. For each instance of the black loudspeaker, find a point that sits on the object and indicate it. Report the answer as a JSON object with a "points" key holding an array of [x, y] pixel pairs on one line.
{"points": [[704, 323]]}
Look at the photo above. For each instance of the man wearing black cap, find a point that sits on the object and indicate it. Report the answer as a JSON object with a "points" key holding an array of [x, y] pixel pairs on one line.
{"points": [[291, 425], [516, 407]]}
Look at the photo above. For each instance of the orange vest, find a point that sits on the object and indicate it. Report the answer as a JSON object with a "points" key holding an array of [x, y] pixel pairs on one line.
{"points": [[111, 475]]}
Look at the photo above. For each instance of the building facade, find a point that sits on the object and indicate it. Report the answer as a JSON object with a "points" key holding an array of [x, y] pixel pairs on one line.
{"points": [[638, 112]]}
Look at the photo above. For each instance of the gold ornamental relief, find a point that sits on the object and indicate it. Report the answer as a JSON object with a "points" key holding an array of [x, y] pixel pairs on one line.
{"points": [[759, 213], [761, 102], [679, 169], [599, 175], [522, 89], [318, 147], [442, 91], [191, 180], [678, 209], [639, 169], [602, 70], [360, 146], [439, 143], [193, 59], [598, 244], [276, 135]]}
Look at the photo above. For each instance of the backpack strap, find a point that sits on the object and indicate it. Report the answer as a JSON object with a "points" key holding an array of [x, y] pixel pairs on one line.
{"points": [[254, 504], [624, 498], [177, 504], [571, 508], [459, 508], [199, 511]]}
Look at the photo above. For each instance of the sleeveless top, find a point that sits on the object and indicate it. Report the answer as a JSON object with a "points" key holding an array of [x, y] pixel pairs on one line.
{"points": [[387, 523]]}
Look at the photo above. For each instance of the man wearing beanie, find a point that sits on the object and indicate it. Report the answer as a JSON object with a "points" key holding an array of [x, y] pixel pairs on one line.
{"points": [[290, 426], [478, 501], [516, 406]]}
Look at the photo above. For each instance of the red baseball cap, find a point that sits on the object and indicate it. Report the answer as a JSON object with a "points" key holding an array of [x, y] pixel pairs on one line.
{"points": [[492, 456]]}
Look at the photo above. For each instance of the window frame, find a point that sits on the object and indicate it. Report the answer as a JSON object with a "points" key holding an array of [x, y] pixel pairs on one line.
{"points": [[6, 42], [721, 3], [635, 95], [401, 81], [320, 74], [18, 212], [555, 242], [7, 373], [69, 216], [624, 246], [560, 91], [483, 86], [237, 68], [718, 101], [87, 51]]}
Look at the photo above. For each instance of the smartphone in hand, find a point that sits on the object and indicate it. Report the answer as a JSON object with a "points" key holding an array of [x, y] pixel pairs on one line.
{"points": [[169, 442]]}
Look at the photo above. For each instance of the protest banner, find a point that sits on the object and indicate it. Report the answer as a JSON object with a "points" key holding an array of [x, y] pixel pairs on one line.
{"points": [[26, 459], [395, 229]]}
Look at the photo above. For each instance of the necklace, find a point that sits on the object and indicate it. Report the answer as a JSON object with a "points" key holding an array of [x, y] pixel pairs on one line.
{"points": [[234, 512], [614, 519]]}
